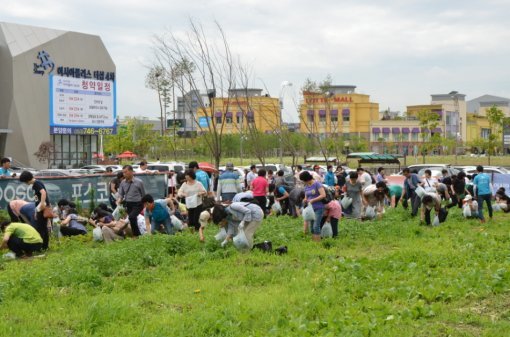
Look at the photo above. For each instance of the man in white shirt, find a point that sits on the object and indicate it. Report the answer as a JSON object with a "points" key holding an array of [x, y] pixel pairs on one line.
{"points": [[364, 177], [251, 176]]}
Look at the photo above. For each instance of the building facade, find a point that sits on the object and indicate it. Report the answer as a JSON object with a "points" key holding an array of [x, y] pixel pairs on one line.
{"points": [[55, 86], [243, 111], [405, 134], [339, 112]]}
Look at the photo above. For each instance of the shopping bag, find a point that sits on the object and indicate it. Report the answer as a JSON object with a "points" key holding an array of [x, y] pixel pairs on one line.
{"points": [[308, 213], [97, 234], [176, 223], [221, 235], [241, 241], [420, 191], [346, 202], [326, 230], [466, 211], [117, 212], [436, 221], [370, 212], [276, 208]]}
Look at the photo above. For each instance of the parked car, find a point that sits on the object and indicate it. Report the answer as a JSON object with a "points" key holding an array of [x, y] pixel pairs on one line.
{"points": [[418, 167], [56, 173], [487, 169], [166, 167], [436, 172], [94, 168]]}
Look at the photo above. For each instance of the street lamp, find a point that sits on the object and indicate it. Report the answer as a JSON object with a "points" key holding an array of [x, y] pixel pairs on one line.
{"points": [[280, 97]]}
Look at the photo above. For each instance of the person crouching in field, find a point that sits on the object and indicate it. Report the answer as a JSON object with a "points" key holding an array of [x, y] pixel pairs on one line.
{"points": [[432, 201], [21, 238], [158, 213], [332, 214], [373, 196], [238, 215]]}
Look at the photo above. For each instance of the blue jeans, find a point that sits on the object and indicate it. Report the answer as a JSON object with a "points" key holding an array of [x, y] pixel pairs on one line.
{"points": [[480, 199], [167, 223], [316, 224]]}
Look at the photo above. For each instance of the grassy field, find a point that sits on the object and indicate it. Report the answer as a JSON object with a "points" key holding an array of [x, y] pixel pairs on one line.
{"points": [[386, 278]]}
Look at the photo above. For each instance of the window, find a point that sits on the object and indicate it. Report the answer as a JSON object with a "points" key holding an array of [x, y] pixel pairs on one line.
{"points": [[239, 119], [322, 119], [228, 120], [386, 137], [414, 137], [251, 119], [334, 119], [346, 118], [376, 136], [485, 133], [218, 120], [310, 118]]}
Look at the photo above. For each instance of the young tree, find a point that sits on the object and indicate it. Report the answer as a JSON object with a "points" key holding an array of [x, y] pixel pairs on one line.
{"points": [[157, 79], [45, 152], [213, 70], [496, 118], [429, 121]]}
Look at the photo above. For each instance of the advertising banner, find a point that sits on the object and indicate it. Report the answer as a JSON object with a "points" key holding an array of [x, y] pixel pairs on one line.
{"points": [[82, 106], [77, 188], [501, 180]]}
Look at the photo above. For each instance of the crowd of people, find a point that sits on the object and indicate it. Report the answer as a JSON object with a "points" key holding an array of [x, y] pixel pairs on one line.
{"points": [[197, 199]]}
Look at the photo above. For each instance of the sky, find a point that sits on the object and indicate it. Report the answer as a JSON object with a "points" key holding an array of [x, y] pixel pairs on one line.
{"points": [[397, 51]]}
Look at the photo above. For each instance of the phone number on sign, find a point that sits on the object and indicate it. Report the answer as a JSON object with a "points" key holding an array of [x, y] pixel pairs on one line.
{"points": [[92, 131]]}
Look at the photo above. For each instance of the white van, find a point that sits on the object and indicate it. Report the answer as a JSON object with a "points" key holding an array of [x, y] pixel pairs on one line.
{"points": [[166, 167]]}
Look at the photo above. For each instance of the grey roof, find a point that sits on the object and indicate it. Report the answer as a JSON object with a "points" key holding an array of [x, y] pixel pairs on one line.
{"points": [[486, 100], [21, 38]]}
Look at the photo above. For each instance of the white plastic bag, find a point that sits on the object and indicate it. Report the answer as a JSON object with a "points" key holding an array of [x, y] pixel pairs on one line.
{"points": [[192, 201], [97, 234], [176, 223], [240, 241], [436, 221], [276, 208], [140, 221], [420, 191], [326, 230], [308, 213], [221, 235], [466, 211], [116, 212], [370, 212], [346, 202]]}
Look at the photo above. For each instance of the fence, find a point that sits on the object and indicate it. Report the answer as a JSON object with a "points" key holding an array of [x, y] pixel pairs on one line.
{"points": [[77, 188]]}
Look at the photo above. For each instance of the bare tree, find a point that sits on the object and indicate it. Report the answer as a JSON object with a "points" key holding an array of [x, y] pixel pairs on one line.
{"points": [[213, 71], [45, 152], [157, 79]]}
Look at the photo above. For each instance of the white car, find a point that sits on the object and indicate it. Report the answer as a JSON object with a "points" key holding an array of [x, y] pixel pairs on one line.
{"points": [[167, 167]]}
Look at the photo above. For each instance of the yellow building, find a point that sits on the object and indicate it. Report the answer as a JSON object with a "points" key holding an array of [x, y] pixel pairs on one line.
{"points": [[340, 111], [243, 111]]}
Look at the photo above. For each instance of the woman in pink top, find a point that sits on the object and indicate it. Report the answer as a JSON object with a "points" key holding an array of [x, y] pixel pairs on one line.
{"points": [[333, 213], [260, 188]]}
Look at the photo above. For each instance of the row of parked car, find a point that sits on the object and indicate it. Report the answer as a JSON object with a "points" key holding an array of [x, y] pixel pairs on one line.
{"points": [[437, 169]]}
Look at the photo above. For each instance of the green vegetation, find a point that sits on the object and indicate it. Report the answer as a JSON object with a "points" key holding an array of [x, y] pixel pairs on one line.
{"points": [[387, 278]]}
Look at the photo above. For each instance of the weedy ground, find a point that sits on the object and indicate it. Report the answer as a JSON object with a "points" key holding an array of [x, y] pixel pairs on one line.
{"points": [[392, 277]]}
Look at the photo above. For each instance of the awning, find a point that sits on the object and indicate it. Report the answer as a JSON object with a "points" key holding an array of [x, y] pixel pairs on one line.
{"points": [[322, 113], [376, 130], [239, 114], [415, 130], [218, 114], [405, 130], [333, 113], [395, 130], [437, 130], [385, 130], [346, 112], [424, 130], [309, 112], [228, 114], [249, 114], [440, 113]]}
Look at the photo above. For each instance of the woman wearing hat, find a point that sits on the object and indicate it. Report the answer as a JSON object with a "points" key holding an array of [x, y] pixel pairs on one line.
{"points": [[471, 205]]}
